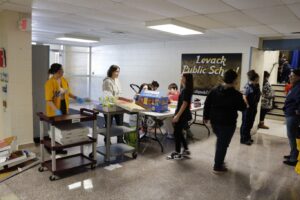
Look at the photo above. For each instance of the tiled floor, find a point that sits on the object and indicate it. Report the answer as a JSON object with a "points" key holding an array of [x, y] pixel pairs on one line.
{"points": [[6, 193], [277, 128], [256, 173]]}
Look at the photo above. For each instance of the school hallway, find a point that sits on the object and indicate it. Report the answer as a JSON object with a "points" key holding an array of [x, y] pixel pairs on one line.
{"points": [[255, 172]]}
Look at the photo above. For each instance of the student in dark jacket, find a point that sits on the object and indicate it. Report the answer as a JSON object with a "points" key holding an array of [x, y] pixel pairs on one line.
{"points": [[292, 115], [251, 96], [182, 116], [220, 108]]}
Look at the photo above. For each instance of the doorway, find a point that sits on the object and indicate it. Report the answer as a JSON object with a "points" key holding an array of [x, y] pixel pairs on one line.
{"points": [[267, 62]]}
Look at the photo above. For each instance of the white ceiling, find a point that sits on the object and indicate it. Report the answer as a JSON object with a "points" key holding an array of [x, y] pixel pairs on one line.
{"points": [[123, 21]]}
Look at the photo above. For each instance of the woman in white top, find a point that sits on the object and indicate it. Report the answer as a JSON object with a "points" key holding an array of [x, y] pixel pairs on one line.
{"points": [[111, 87]]}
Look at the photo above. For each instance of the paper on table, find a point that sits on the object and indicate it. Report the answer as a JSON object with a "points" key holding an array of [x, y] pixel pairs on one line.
{"points": [[132, 107]]}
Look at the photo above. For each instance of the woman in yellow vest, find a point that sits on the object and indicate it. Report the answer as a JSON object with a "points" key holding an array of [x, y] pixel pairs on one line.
{"points": [[57, 92]]}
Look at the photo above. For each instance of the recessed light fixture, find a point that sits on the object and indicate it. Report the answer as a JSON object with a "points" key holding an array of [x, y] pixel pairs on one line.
{"points": [[175, 27], [75, 38]]}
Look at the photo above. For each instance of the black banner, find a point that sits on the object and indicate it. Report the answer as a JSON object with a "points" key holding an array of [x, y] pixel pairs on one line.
{"points": [[208, 69]]}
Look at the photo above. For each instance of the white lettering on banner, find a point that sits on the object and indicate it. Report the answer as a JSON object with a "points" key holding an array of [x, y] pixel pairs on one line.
{"points": [[212, 70], [219, 61], [216, 70]]}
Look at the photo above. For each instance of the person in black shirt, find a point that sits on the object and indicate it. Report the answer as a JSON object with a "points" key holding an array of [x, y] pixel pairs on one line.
{"points": [[182, 116], [252, 95], [220, 108]]}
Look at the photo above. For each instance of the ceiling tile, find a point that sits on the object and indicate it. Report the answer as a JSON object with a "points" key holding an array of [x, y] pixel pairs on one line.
{"points": [[235, 18], [246, 4], [116, 9], [286, 28], [202, 21], [160, 7], [272, 15], [258, 30], [203, 6], [234, 33], [295, 8]]}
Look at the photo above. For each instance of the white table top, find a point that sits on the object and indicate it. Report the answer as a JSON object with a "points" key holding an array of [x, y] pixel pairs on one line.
{"points": [[168, 114]]}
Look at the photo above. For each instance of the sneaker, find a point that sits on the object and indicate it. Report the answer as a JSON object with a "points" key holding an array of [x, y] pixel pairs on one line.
{"points": [[263, 126], [218, 170], [290, 163], [174, 156], [287, 157], [247, 142], [186, 152]]}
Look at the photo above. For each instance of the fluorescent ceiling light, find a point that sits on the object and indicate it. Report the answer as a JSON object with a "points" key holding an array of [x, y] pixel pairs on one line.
{"points": [[175, 27], [83, 39]]}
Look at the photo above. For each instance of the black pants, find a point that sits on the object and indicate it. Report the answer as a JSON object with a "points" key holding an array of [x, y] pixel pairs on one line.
{"points": [[119, 122], [224, 135], [118, 119], [63, 107], [179, 138], [247, 123], [263, 113]]}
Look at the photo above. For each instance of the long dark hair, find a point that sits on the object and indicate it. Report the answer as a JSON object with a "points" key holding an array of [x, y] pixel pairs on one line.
{"points": [[55, 67], [189, 82], [111, 70]]}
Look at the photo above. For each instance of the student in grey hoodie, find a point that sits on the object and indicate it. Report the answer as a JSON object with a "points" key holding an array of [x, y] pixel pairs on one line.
{"points": [[111, 87]]}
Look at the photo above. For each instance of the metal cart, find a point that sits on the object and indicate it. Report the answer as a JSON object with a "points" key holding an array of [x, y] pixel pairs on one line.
{"points": [[58, 166], [116, 149]]}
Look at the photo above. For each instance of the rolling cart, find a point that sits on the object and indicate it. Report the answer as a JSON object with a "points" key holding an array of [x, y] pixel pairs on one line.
{"points": [[60, 165], [116, 149]]}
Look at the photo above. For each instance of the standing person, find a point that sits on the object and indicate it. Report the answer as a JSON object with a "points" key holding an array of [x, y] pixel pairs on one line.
{"points": [[292, 116], [220, 108], [111, 87], [286, 70], [57, 95], [57, 92], [251, 96], [182, 116], [266, 100]]}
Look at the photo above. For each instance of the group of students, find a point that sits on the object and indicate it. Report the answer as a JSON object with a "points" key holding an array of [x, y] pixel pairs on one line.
{"points": [[224, 101], [221, 108]]}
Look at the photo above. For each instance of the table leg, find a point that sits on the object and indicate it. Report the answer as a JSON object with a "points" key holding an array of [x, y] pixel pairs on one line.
{"points": [[108, 126]]}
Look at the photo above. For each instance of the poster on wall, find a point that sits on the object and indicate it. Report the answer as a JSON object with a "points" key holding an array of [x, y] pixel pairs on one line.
{"points": [[208, 69]]}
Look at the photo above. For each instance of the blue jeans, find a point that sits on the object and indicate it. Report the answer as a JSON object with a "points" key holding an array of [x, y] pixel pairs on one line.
{"points": [[292, 124], [224, 135]]}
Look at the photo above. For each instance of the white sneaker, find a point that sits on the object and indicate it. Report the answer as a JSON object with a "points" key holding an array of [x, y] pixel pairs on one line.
{"points": [[174, 156]]}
